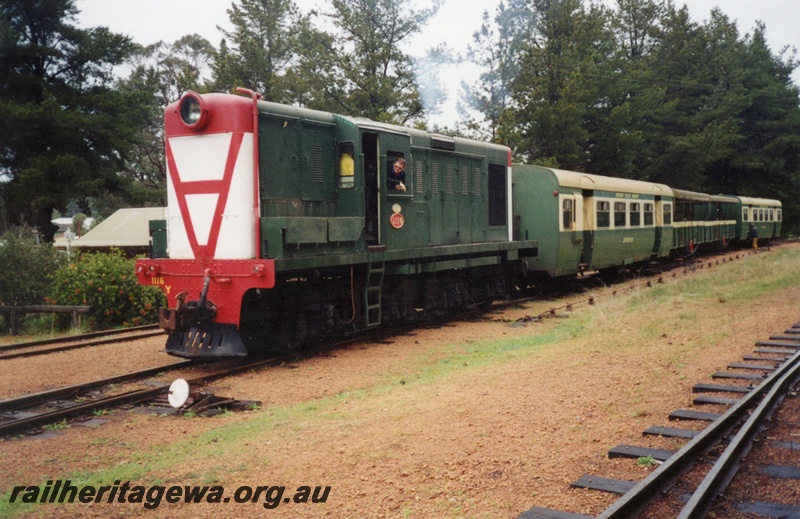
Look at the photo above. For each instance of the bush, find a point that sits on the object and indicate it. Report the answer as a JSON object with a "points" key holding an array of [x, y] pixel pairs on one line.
{"points": [[107, 283], [27, 269]]}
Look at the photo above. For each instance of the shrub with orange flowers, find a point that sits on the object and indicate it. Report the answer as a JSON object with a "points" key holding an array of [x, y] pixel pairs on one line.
{"points": [[107, 283]]}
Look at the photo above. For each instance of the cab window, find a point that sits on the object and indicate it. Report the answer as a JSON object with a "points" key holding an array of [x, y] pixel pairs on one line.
{"points": [[347, 165]]}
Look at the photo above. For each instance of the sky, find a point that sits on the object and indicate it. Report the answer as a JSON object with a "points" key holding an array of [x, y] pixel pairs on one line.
{"points": [[149, 21]]}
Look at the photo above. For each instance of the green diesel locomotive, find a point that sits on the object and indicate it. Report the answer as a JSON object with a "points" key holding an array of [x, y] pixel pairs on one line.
{"points": [[286, 225]]}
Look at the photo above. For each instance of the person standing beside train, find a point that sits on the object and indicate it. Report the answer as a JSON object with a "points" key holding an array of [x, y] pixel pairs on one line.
{"points": [[752, 234], [397, 176]]}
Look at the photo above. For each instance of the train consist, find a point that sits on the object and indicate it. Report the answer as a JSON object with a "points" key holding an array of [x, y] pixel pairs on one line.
{"points": [[283, 225]]}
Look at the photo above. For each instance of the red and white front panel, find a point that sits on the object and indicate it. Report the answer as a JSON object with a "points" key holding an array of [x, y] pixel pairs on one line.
{"points": [[210, 190]]}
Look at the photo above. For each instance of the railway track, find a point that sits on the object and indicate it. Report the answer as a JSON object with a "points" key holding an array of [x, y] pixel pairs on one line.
{"points": [[46, 346], [16, 414], [731, 436], [32, 412]]}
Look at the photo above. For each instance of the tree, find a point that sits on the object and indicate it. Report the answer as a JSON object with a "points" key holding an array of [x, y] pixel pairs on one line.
{"points": [[560, 97], [28, 268], [499, 52], [264, 45], [65, 130], [161, 73], [764, 160], [371, 76]]}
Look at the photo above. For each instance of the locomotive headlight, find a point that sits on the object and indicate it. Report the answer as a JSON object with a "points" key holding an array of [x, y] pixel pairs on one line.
{"points": [[193, 111]]}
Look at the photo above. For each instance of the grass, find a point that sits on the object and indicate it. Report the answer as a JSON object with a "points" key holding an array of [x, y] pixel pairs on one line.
{"points": [[666, 317]]}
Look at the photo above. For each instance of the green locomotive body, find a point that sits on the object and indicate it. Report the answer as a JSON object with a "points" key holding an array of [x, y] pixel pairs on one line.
{"points": [[347, 252]]}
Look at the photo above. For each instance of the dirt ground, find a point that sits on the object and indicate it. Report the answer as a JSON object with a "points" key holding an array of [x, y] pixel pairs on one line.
{"points": [[422, 425]]}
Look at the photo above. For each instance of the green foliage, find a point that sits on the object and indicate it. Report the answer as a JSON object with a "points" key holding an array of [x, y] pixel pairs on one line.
{"points": [[646, 462], [65, 131], [27, 270], [642, 91], [107, 283]]}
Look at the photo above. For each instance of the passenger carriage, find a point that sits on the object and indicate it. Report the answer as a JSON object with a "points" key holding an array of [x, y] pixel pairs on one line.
{"points": [[590, 222], [702, 220], [766, 214]]}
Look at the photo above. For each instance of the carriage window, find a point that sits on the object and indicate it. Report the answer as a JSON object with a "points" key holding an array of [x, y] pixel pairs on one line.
{"points": [[619, 214], [667, 214], [603, 214], [347, 165], [636, 212], [771, 215], [648, 214], [567, 214], [760, 215], [745, 215]]}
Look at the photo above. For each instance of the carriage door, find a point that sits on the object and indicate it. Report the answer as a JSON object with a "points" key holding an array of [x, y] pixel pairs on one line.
{"points": [[659, 224], [587, 201], [571, 227], [372, 202]]}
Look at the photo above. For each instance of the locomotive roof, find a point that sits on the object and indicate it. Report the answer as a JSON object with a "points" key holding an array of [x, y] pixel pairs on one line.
{"points": [[620, 185], [424, 138], [420, 138]]}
